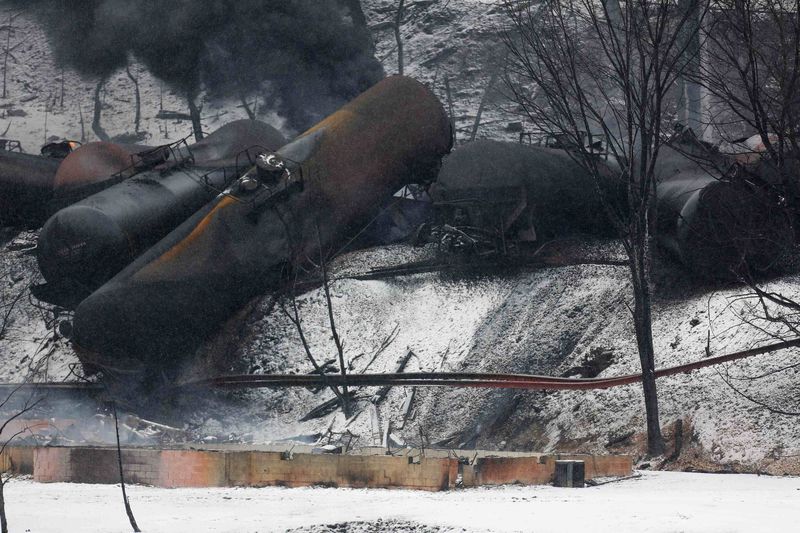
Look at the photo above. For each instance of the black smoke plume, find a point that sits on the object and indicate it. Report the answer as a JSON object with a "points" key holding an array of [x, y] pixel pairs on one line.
{"points": [[303, 57]]}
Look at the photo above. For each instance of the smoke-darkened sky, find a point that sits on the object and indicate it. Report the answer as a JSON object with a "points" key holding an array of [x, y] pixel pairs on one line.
{"points": [[305, 57]]}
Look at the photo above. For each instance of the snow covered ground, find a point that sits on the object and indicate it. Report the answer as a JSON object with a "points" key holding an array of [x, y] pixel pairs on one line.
{"points": [[656, 502]]}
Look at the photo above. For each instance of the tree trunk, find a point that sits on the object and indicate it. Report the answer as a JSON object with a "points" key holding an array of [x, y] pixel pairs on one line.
{"points": [[46, 112], [5, 58], [477, 123], [693, 101], [194, 112], [399, 38], [250, 113], [98, 108], [450, 109], [642, 321], [138, 117], [128, 509], [83, 125], [3, 520]]}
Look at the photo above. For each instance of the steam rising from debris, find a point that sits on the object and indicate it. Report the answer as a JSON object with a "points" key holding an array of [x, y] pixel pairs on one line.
{"points": [[305, 57]]}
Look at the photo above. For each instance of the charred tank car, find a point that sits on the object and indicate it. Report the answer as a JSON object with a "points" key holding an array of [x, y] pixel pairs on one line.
{"points": [[297, 206], [33, 187], [84, 245], [26, 185], [712, 218], [525, 193]]}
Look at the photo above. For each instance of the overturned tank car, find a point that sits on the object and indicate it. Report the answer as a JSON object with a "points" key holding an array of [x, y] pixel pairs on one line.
{"points": [[26, 184], [85, 244], [33, 187], [297, 206], [525, 193], [712, 218]]}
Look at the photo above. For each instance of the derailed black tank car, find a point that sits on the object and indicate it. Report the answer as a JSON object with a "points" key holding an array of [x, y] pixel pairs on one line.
{"points": [[26, 185], [531, 193], [305, 203], [715, 221], [85, 244]]}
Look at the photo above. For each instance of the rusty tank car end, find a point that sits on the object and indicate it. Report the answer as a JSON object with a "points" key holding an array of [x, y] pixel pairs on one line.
{"points": [[85, 244], [299, 205], [33, 187]]}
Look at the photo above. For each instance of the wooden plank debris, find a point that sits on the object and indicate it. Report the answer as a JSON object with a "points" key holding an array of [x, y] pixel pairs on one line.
{"points": [[407, 406], [383, 391]]}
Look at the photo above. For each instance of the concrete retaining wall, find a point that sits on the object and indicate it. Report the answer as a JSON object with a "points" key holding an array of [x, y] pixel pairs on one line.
{"points": [[196, 468], [237, 467], [539, 470], [18, 460]]}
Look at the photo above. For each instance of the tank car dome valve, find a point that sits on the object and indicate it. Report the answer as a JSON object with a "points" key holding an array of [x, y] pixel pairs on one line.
{"points": [[270, 168]]}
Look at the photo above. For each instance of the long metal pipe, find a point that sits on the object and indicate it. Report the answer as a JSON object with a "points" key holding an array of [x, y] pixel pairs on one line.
{"points": [[471, 379]]}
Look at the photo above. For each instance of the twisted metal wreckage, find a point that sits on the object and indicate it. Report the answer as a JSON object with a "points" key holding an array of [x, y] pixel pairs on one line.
{"points": [[158, 267]]}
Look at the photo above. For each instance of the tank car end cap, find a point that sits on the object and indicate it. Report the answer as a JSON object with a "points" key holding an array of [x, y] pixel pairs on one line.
{"points": [[64, 293]]}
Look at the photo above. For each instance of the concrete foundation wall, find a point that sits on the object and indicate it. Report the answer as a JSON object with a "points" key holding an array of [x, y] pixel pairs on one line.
{"points": [[17, 460], [221, 468], [539, 470]]}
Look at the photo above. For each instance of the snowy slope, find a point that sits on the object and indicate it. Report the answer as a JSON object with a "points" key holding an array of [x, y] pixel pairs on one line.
{"points": [[542, 322]]}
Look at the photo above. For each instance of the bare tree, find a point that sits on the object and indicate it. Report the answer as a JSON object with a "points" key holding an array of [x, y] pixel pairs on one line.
{"points": [[10, 28], [334, 332], [46, 113], [753, 72], [606, 67], [83, 124], [398, 21], [125, 501], [27, 404], [63, 91], [194, 113], [294, 317], [450, 108], [20, 400], [246, 106], [98, 109], [342, 395], [770, 316], [138, 98], [492, 64]]}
